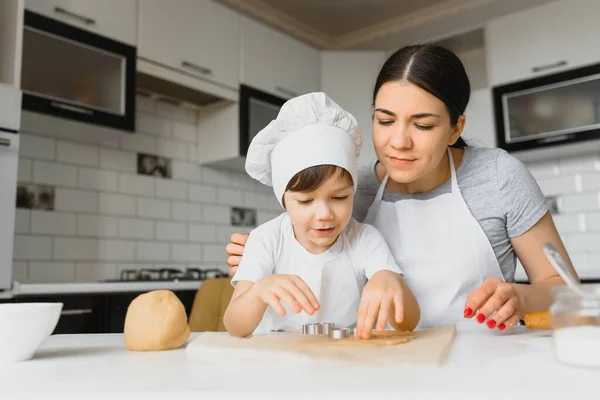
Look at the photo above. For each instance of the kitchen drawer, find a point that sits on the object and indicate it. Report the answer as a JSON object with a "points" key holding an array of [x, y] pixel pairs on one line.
{"points": [[80, 313]]}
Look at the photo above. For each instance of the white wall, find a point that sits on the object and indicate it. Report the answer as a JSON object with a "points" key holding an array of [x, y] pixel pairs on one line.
{"points": [[108, 218], [348, 78]]}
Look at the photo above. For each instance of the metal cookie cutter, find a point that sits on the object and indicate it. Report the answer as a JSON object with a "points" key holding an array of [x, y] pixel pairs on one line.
{"points": [[317, 328], [337, 334]]}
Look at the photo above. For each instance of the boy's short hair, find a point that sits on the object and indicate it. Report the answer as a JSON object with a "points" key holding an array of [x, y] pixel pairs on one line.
{"points": [[312, 178]]}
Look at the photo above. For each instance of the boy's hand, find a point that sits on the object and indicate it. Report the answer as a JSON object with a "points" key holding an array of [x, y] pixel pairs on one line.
{"points": [[382, 298], [290, 289]]}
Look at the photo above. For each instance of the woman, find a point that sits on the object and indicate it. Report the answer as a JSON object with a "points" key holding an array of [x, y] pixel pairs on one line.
{"points": [[455, 217]]}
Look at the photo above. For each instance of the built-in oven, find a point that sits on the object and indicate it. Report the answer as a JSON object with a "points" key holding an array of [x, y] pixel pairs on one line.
{"points": [[257, 110], [76, 74], [549, 111]]}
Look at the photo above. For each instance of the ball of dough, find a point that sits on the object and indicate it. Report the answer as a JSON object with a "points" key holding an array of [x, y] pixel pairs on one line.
{"points": [[156, 321]]}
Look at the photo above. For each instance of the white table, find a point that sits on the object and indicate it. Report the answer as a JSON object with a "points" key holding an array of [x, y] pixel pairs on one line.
{"points": [[482, 364]]}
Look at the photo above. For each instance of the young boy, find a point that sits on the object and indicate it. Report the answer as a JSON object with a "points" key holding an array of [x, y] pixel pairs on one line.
{"points": [[314, 258]]}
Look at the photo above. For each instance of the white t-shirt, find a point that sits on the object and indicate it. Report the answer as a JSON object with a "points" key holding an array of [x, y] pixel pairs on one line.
{"points": [[336, 276]]}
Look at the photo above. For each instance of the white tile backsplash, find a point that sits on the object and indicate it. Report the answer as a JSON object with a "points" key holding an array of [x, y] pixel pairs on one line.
{"points": [[51, 173], [74, 249], [181, 211], [152, 208], [171, 189], [94, 272], [216, 214], [116, 250], [97, 226], [172, 149], [118, 160], [25, 170], [152, 124], [187, 171], [581, 202], [76, 200], [23, 221], [96, 179], [591, 181], [116, 204], [107, 218], [153, 251], [202, 233], [138, 142], [137, 184], [37, 147], [592, 221], [202, 193], [80, 154], [136, 228], [187, 252], [230, 197], [32, 248], [185, 132], [575, 182], [51, 272], [171, 231], [53, 223]]}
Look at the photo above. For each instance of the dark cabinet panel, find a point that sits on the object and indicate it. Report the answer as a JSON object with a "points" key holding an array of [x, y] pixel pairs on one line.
{"points": [[96, 313], [118, 303], [80, 313]]}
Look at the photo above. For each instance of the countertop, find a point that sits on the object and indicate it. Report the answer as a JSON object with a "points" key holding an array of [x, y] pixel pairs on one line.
{"points": [[482, 364]]}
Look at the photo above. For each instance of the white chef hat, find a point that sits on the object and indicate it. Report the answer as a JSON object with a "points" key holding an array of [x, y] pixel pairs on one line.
{"points": [[309, 130]]}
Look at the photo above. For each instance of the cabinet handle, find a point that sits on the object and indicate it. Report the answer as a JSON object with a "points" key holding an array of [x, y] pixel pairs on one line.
{"points": [[4, 142], [84, 19], [202, 70], [285, 91], [541, 68], [80, 110], [81, 311]]}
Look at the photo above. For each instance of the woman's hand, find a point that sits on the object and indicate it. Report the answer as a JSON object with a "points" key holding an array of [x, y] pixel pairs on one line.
{"points": [[235, 249], [496, 297], [290, 289], [381, 299]]}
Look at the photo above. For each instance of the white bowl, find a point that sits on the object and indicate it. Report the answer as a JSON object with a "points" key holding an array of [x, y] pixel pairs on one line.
{"points": [[24, 327]]}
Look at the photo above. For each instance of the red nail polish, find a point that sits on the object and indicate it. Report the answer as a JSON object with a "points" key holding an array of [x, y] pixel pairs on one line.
{"points": [[502, 327], [468, 312], [491, 324], [480, 318]]}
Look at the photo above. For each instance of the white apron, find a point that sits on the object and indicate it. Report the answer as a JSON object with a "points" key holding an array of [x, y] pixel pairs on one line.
{"points": [[331, 276], [441, 248]]}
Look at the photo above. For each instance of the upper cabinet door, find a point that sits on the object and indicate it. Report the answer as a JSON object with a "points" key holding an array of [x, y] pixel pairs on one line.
{"points": [[277, 63], [115, 19], [554, 37], [198, 37]]}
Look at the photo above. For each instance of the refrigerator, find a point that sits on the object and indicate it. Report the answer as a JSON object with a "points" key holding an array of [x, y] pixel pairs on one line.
{"points": [[10, 119]]}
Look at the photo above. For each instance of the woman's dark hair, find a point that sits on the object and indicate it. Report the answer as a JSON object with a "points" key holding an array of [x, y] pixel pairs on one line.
{"points": [[434, 69], [312, 178]]}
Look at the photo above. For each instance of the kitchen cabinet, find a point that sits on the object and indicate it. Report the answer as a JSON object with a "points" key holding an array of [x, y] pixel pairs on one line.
{"points": [[80, 313], [554, 37], [276, 63], [115, 19], [96, 313], [197, 38]]}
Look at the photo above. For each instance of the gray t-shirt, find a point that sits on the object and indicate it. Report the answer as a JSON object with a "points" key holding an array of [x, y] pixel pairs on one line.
{"points": [[499, 191]]}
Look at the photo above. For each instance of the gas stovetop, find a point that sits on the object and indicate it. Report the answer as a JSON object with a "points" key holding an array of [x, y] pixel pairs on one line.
{"points": [[167, 275]]}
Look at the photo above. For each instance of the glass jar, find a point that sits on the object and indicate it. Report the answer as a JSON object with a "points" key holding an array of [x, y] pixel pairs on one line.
{"points": [[576, 326]]}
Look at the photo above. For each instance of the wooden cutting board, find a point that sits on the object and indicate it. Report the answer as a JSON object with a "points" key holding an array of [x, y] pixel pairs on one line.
{"points": [[425, 347]]}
